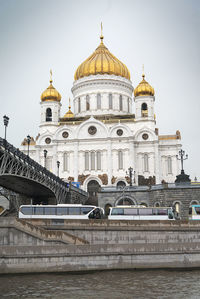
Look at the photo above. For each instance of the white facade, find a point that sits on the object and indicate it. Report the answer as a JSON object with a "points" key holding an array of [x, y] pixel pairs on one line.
{"points": [[104, 138]]}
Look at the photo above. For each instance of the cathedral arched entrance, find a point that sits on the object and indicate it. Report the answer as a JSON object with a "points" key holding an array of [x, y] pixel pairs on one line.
{"points": [[126, 200], [93, 188], [121, 184], [107, 209]]}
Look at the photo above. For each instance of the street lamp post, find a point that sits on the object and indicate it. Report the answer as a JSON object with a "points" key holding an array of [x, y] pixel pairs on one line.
{"points": [[5, 121], [28, 142], [130, 169], [182, 178], [45, 157], [181, 153], [58, 165]]}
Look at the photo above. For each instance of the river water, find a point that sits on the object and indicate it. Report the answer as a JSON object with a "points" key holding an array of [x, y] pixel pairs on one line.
{"points": [[122, 284]]}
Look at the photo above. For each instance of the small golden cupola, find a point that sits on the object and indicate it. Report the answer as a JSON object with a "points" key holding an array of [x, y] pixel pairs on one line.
{"points": [[102, 62], [69, 113], [50, 94], [144, 88]]}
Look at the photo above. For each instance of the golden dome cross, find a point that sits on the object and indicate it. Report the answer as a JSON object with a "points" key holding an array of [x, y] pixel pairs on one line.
{"points": [[101, 37]]}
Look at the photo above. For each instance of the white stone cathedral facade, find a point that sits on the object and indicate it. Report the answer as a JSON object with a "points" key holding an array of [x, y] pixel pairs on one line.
{"points": [[103, 137]]}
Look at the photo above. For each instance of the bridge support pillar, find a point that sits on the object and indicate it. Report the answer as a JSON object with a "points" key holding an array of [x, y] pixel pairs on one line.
{"points": [[20, 200]]}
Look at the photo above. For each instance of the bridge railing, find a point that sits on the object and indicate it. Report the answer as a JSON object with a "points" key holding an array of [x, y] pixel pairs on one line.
{"points": [[26, 159]]}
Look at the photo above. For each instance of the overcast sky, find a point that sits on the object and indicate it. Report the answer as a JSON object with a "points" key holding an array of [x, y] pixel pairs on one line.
{"points": [[39, 35]]}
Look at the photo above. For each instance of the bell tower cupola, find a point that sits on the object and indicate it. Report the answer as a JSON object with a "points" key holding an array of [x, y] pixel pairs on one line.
{"points": [[50, 105], [144, 100]]}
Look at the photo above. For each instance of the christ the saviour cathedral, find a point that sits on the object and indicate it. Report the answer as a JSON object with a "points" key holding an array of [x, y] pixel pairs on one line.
{"points": [[97, 144]]}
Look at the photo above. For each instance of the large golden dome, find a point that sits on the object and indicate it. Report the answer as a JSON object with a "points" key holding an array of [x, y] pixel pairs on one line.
{"points": [[102, 62], [144, 89], [50, 94]]}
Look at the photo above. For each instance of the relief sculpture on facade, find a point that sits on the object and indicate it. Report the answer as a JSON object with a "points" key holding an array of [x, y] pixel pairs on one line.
{"points": [[142, 181], [82, 177], [104, 178], [113, 180], [128, 179]]}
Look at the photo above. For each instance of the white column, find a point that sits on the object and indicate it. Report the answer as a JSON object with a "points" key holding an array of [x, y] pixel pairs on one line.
{"points": [[139, 164], [151, 164], [135, 163], [55, 159], [76, 161], [175, 166], [93, 102], [82, 162], [131, 155], [157, 165], [109, 161], [38, 156]]}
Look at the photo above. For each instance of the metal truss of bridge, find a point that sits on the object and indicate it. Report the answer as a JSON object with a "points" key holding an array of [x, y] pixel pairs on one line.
{"points": [[21, 174]]}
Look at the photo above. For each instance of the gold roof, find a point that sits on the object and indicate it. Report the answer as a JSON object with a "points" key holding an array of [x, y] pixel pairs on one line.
{"points": [[69, 112], [144, 89], [50, 94], [102, 62]]}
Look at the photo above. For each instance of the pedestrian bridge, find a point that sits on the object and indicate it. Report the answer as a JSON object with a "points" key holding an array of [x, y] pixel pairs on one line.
{"points": [[21, 174]]}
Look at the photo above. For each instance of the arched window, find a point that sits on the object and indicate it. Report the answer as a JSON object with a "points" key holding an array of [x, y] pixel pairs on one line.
{"points": [[177, 209], [126, 201], [98, 101], [110, 101], [144, 109], [87, 102], [107, 209], [146, 162], [120, 159], [120, 103], [79, 105], [48, 114], [93, 188], [169, 165], [121, 185], [194, 202], [1, 209], [144, 106]]}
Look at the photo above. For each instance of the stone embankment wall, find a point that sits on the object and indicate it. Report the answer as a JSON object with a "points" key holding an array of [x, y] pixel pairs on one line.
{"points": [[167, 195], [183, 195], [52, 246]]}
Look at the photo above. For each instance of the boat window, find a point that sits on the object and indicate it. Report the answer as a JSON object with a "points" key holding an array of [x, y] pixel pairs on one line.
{"points": [[154, 212], [38, 211], [49, 211], [162, 212], [130, 211], [197, 209], [74, 211], [62, 211], [145, 211], [86, 210], [117, 211], [26, 210]]}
